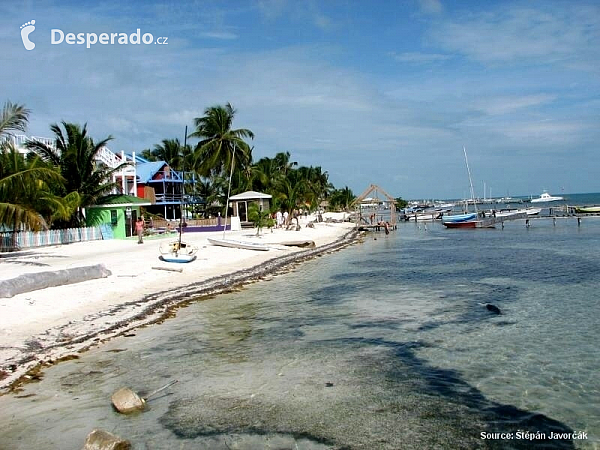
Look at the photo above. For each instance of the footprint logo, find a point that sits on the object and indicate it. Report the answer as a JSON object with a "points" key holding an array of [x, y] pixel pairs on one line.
{"points": [[26, 30]]}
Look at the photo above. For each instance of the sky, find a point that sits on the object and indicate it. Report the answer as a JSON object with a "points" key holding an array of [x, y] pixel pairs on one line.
{"points": [[378, 92]]}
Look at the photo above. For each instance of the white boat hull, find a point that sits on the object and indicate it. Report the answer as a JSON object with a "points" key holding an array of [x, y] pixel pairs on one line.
{"points": [[518, 212], [177, 252], [239, 244], [545, 197]]}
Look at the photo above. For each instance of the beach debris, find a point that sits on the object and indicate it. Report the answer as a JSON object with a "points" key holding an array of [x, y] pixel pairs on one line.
{"points": [[301, 244], [103, 440], [127, 401], [41, 280], [169, 269]]}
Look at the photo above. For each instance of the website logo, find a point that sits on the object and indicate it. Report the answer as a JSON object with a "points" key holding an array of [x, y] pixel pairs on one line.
{"points": [[26, 30], [58, 36]]}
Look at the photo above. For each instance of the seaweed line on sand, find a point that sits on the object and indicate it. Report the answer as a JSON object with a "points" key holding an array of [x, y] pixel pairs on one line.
{"points": [[156, 308]]}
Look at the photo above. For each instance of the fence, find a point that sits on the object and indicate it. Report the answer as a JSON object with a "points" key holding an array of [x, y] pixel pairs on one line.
{"points": [[16, 240]]}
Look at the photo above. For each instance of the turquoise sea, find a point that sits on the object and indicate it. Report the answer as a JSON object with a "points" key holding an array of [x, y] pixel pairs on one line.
{"points": [[386, 344]]}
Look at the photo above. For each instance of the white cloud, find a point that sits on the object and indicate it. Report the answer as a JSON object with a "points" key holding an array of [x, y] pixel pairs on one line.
{"points": [[509, 104], [508, 34], [322, 101], [272, 9], [225, 35], [420, 58], [431, 6]]}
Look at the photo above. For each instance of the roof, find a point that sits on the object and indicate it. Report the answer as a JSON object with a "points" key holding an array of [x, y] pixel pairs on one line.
{"points": [[138, 158], [249, 195], [121, 200], [145, 171]]}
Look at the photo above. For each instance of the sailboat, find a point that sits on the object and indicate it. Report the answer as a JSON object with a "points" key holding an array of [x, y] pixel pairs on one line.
{"points": [[178, 251], [234, 243], [472, 220]]}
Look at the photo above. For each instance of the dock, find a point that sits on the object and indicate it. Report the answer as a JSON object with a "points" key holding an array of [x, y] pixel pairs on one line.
{"points": [[497, 218]]}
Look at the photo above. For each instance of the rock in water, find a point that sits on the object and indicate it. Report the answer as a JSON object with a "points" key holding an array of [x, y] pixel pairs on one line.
{"points": [[493, 308], [103, 440], [126, 401]]}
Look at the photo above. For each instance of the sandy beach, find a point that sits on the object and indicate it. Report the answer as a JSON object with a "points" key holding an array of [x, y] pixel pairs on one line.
{"points": [[42, 326]]}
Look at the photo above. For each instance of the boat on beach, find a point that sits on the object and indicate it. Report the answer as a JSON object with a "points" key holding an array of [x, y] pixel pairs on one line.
{"points": [[545, 197], [178, 251], [234, 243]]}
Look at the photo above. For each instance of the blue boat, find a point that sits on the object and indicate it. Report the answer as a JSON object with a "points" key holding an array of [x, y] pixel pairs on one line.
{"points": [[459, 217]]}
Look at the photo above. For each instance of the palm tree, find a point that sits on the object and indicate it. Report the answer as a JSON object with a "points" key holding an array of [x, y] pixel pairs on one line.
{"points": [[171, 151], [148, 155], [24, 194], [289, 194], [283, 163], [12, 118], [25, 198], [342, 198], [266, 175], [316, 183], [74, 155], [213, 154]]}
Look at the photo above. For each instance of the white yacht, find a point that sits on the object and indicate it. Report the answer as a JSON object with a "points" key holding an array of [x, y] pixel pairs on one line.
{"points": [[545, 197]]}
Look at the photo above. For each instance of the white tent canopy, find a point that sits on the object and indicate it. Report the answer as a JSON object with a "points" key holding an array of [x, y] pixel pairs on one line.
{"points": [[241, 203], [250, 195]]}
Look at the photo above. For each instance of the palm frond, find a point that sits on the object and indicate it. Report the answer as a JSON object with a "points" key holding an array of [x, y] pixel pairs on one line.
{"points": [[13, 118]]}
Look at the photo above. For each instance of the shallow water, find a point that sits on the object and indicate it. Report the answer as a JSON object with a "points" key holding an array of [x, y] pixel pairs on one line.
{"points": [[386, 344]]}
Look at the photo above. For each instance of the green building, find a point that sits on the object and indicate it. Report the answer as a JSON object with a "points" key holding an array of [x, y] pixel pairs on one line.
{"points": [[119, 211]]}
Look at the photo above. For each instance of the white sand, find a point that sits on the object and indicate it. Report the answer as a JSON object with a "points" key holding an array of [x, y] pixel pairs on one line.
{"points": [[50, 323]]}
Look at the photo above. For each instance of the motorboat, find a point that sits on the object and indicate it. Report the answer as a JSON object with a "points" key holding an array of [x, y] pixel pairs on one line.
{"points": [[545, 197]]}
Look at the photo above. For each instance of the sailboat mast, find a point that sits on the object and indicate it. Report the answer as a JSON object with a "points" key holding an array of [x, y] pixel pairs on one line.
{"points": [[470, 180], [229, 190], [182, 189]]}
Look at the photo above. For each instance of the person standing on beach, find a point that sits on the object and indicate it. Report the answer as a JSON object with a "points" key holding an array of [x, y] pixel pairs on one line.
{"points": [[139, 228]]}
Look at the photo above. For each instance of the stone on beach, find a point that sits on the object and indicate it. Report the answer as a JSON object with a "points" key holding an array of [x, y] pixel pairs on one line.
{"points": [[126, 401], [103, 440]]}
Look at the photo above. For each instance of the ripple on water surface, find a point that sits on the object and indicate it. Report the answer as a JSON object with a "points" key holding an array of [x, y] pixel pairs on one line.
{"points": [[384, 345]]}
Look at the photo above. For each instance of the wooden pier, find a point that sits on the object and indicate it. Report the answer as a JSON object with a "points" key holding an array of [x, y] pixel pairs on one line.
{"points": [[497, 218], [375, 222]]}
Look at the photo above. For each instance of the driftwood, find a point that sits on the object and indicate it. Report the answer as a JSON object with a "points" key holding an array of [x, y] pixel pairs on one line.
{"points": [[41, 280], [169, 269], [301, 244]]}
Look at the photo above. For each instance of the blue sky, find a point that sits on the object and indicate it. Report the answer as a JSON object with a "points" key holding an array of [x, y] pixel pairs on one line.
{"points": [[384, 92]]}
